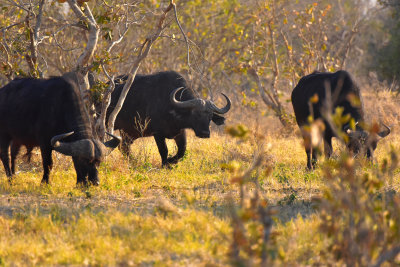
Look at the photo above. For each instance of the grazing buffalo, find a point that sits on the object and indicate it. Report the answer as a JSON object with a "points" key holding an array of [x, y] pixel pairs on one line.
{"points": [[162, 105], [42, 112], [332, 90]]}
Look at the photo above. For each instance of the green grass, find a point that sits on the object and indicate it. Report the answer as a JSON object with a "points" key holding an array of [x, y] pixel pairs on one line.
{"points": [[143, 214]]}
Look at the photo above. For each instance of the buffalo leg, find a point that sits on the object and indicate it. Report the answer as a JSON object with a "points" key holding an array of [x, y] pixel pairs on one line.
{"points": [[14, 153], [308, 152], [125, 143], [47, 163], [28, 154], [311, 157], [328, 147], [314, 157], [180, 141], [93, 176], [80, 173], [4, 145], [162, 149]]}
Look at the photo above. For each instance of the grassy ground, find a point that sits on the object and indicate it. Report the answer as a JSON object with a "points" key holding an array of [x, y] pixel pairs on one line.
{"points": [[142, 214]]}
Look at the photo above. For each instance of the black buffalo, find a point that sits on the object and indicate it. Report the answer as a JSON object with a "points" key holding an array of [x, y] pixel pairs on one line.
{"points": [[342, 92], [162, 105], [42, 112]]}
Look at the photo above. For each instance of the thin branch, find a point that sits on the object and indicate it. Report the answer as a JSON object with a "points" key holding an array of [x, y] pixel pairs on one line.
{"points": [[58, 43], [19, 6], [121, 37], [39, 20], [11, 26], [184, 35], [267, 98], [33, 35], [387, 256], [101, 121], [9, 75]]}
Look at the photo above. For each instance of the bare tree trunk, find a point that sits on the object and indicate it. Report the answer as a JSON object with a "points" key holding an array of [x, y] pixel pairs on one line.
{"points": [[101, 121], [87, 17], [143, 52], [81, 71], [34, 40]]}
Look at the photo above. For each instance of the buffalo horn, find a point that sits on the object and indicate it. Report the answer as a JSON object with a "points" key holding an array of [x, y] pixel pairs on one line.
{"points": [[224, 109], [113, 143], [182, 104], [385, 132], [83, 148], [347, 128], [57, 138]]}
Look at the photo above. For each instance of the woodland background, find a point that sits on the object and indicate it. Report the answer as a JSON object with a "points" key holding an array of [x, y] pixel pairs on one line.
{"points": [[242, 197]]}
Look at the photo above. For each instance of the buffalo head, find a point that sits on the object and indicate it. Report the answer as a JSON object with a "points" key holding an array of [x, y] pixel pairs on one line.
{"points": [[86, 153], [361, 141], [200, 112]]}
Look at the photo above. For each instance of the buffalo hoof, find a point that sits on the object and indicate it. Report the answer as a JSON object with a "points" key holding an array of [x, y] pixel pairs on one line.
{"points": [[44, 181], [311, 167], [167, 165], [172, 160], [94, 182]]}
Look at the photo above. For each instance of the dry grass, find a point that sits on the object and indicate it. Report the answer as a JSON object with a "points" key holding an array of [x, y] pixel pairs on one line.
{"points": [[142, 214]]}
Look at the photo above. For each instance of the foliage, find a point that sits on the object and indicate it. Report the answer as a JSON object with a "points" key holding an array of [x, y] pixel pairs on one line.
{"points": [[387, 58], [143, 215], [251, 219], [359, 212], [280, 40]]}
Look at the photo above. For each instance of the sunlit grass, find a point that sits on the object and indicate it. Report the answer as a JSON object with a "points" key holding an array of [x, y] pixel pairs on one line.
{"points": [[121, 222]]}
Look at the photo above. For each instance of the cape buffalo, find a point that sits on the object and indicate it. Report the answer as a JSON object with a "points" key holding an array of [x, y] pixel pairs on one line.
{"points": [[42, 112], [332, 90], [162, 105]]}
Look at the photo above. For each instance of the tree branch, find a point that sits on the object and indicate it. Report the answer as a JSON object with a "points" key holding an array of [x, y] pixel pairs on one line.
{"points": [[266, 97], [101, 121], [94, 30], [184, 36], [387, 256]]}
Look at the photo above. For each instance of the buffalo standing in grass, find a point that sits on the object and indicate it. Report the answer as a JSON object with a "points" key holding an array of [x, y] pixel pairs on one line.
{"points": [[342, 91], [42, 112], [162, 105]]}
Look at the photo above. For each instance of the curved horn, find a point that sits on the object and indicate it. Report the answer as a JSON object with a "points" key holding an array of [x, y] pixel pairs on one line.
{"points": [[54, 141], [81, 148], [113, 143], [347, 128], [224, 109], [182, 104], [385, 132]]}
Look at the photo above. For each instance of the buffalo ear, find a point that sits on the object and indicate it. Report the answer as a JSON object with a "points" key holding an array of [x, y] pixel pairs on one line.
{"points": [[217, 119]]}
